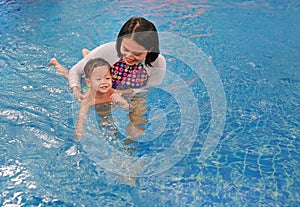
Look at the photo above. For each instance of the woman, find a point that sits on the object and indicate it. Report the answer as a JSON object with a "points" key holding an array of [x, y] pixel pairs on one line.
{"points": [[137, 45]]}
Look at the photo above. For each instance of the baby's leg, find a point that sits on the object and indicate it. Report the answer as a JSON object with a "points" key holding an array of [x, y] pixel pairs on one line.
{"points": [[61, 70], [85, 52]]}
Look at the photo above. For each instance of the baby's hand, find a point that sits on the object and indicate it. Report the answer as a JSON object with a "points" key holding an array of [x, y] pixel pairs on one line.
{"points": [[78, 134], [117, 98]]}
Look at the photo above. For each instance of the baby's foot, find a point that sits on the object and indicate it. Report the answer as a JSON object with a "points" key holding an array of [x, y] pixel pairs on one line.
{"points": [[61, 70], [85, 52]]}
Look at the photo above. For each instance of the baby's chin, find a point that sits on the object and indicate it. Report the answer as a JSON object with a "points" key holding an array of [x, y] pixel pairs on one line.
{"points": [[103, 89]]}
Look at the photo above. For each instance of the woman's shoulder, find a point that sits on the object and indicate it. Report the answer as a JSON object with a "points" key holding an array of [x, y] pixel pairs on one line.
{"points": [[160, 62]]}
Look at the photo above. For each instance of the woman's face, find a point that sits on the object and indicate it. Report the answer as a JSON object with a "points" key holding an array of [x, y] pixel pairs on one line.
{"points": [[132, 52]]}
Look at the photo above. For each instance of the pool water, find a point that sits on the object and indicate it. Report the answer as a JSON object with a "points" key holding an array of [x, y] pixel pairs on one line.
{"points": [[222, 130]]}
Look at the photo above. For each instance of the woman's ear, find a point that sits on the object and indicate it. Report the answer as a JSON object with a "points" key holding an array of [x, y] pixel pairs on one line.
{"points": [[88, 82]]}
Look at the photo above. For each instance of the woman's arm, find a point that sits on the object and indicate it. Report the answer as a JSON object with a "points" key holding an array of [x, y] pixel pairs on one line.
{"points": [[157, 72]]}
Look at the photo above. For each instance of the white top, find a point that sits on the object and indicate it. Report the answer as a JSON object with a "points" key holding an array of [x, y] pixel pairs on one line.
{"points": [[109, 53]]}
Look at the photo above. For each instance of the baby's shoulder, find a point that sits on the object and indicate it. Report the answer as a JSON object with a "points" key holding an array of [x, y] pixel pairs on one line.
{"points": [[111, 91]]}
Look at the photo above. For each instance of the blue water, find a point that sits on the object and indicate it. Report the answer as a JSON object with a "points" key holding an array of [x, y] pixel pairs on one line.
{"points": [[224, 125]]}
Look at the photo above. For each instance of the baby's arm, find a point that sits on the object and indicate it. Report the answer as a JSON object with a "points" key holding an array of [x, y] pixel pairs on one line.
{"points": [[83, 111], [117, 98]]}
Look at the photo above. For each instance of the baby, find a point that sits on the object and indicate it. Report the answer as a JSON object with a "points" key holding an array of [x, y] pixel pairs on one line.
{"points": [[98, 78]]}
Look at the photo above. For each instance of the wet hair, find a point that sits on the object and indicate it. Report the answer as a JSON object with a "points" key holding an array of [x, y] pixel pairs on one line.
{"points": [[144, 33], [94, 63]]}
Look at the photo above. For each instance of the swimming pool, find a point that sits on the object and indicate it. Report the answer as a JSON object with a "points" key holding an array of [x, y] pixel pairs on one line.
{"points": [[236, 70]]}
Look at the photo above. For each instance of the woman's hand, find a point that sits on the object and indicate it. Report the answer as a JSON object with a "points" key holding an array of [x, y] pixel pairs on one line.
{"points": [[77, 93]]}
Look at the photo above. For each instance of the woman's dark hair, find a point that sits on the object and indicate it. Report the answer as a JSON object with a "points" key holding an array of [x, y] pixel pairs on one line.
{"points": [[144, 33], [92, 64]]}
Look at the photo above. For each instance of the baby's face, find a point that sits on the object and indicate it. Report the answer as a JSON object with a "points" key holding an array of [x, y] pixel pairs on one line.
{"points": [[100, 79]]}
